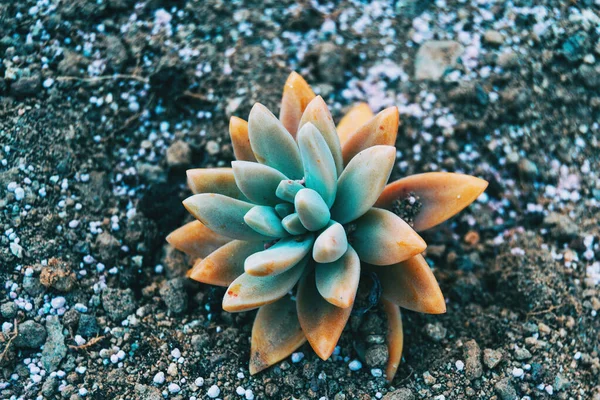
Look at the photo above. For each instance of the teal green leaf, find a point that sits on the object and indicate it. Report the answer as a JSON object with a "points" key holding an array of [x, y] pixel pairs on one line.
{"points": [[248, 292], [292, 224], [318, 114], [287, 190], [223, 215], [319, 168], [383, 238], [284, 209], [312, 210], [331, 244], [362, 182], [257, 182], [280, 257], [338, 281], [272, 144], [264, 220]]}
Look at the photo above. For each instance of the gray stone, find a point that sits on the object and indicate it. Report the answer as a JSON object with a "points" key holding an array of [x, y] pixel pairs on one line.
{"points": [[331, 63], [174, 295], [200, 341], [491, 358], [435, 57], [400, 394], [590, 74], [49, 386], [8, 310], [31, 335], [436, 332], [561, 382], [146, 392], [562, 226], [528, 169], [179, 154], [472, 354], [27, 86], [118, 303], [493, 37], [107, 246], [507, 59], [522, 353], [505, 390], [33, 286], [88, 326], [151, 173], [376, 356], [54, 348]]}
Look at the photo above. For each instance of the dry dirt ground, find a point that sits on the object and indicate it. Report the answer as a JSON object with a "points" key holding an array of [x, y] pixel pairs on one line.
{"points": [[105, 103]]}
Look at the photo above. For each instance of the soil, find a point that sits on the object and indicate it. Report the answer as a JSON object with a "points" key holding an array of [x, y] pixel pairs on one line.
{"points": [[104, 104]]}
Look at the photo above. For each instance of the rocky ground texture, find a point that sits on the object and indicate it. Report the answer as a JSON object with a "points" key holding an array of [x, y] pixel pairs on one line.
{"points": [[104, 104]]}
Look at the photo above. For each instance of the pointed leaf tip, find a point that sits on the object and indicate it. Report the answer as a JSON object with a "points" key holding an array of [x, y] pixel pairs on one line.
{"points": [[317, 113], [196, 239], [276, 334], [331, 244], [248, 292], [264, 220], [223, 215], [356, 117], [383, 238], [272, 144], [411, 284], [257, 182], [224, 265], [319, 167], [379, 130], [441, 194], [297, 94], [238, 131], [321, 321], [280, 257], [361, 183], [312, 209], [214, 180], [337, 281]]}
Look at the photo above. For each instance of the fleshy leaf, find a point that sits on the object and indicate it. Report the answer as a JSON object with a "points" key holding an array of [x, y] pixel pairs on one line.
{"points": [[257, 182], [318, 114], [238, 131], [248, 292], [395, 338], [284, 209], [356, 117], [442, 195], [223, 215], [272, 144], [319, 167], [264, 220], [196, 240], [383, 238], [361, 182], [411, 284], [297, 94], [292, 224], [287, 190], [321, 321], [276, 334], [225, 264], [280, 257], [312, 210], [337, 281], [331, 244], [214, 180], [379, 130]]}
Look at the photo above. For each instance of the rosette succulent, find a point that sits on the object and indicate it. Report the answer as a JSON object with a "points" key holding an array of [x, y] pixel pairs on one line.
{"points": [[306, 209]]}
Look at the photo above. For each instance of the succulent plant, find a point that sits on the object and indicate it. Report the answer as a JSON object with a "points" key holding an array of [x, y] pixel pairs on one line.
{"points": [[306, 205]]}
